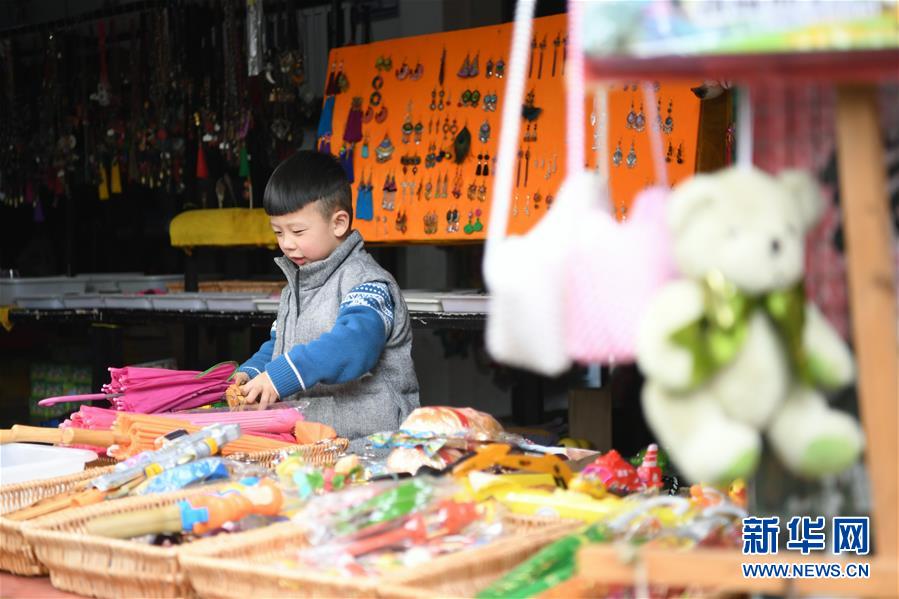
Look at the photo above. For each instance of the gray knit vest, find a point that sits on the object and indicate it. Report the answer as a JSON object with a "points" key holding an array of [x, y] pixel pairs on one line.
{"points": [[381, 399]]}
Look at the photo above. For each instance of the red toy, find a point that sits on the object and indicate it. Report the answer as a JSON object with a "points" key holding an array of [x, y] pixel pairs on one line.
{"points": [[649, 472], [615, 473]]}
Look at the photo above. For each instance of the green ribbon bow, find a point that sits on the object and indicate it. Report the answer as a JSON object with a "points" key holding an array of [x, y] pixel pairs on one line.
{"points": [[717, 336]]}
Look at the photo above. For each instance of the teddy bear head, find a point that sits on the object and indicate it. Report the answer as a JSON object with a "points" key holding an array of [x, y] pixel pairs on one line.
{"points": [[745, 224]]}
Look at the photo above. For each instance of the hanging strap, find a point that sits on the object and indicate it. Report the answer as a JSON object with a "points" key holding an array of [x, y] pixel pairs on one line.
{"points": [[655, 138], [601, 130], [510, 127], [575, 93], [744, 128]]}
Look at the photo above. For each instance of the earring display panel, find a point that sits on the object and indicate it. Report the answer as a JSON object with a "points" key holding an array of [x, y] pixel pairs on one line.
{"points": [[431, 124], [675, 116]]}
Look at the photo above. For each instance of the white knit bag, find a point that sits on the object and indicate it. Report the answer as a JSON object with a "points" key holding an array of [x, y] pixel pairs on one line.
{"points": [[525, 274]]}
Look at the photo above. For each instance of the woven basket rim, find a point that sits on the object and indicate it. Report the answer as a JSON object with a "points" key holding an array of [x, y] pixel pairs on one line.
{"points": [[551, 528], [477, 556], [56, 480], [47, 530], [379, 586], [407, 582], [336, 445]]}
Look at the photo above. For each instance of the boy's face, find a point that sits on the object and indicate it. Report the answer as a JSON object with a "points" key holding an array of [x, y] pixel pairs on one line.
{"points": [[306, 235]]}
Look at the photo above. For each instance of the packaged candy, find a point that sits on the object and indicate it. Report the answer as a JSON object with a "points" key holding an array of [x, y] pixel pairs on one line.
{"points": [[182, 476], [390, 524], [294, 473]]}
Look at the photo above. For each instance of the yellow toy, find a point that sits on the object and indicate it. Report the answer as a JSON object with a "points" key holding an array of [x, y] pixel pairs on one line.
{"points": [[495, 454]]}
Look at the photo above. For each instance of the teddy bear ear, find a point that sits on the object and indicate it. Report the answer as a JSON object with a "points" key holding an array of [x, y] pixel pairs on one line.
{"points": [[688, 198], [804, 190]]}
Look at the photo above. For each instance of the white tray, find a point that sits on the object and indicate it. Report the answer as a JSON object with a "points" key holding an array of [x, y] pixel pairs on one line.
{"points": [[84, 302], [179, 301], [231, 302], [41, 302], [22, 462], [12, 289], [471, 302], [128, 302], [267, 304], [420, 300], [147, 282], [106, 282]]}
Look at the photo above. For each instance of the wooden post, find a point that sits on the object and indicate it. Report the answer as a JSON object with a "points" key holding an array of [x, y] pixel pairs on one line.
{"points": [[872, 297]]}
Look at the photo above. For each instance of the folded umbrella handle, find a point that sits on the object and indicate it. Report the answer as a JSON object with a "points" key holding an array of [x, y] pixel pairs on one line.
{"points": [[52, 401], [83, 436], [67, 436], [21, 433]]}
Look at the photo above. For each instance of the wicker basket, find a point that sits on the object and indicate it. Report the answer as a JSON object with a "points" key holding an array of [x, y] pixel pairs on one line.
{"points": [[467, 573], [103, 567], [16, 555], [239, 567]]}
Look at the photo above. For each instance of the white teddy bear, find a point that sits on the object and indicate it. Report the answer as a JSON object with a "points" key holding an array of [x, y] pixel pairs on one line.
{"points": [[724, 349]]}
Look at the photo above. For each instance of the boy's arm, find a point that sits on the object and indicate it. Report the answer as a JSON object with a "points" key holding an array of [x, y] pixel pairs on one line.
{"points": [[344, 353], [256, 364]]}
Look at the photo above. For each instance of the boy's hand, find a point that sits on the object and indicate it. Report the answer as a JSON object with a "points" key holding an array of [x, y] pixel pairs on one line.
{"points": [[260, 389], [240, 378]]}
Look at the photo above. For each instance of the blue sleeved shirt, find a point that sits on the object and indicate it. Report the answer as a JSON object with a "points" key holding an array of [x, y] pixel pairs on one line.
{"points": [[346, 352]]}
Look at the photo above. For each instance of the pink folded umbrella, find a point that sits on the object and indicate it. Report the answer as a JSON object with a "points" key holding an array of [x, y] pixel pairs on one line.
{"points": [[278, 423], [155, 390]]}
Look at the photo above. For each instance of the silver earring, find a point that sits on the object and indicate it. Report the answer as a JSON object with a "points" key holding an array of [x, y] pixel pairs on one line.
{"points": [[632, 157]]}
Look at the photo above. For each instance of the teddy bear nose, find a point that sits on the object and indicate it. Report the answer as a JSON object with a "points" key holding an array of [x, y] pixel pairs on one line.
{"points": [[775, 246]]}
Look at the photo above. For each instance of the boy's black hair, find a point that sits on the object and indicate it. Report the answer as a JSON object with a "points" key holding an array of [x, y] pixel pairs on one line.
{"points": [[308, 177]]}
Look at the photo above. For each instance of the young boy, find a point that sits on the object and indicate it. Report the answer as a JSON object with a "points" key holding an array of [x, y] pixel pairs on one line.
{"points": [[342, 339]]}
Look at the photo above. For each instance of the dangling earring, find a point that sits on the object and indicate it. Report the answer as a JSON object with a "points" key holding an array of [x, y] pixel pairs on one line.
{"points": [[419, 129], [486, 165], [418, 72], [640, 121], [403, 71], [617, 155], [480, 167], [631, 117], [469, 228], [465, 69], [670, 152], [115, 178], [680, 153], [365, 147], [632, 157], [668, 125], [408, 128], [484, 132], [473, 69]]}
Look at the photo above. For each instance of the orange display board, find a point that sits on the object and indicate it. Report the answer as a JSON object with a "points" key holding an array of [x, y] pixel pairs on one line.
{"points": [[449, 202]]}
